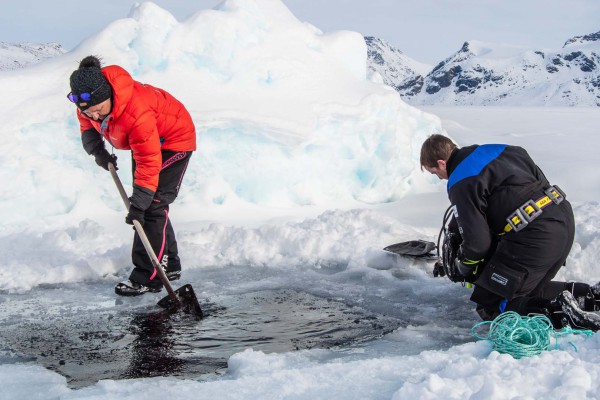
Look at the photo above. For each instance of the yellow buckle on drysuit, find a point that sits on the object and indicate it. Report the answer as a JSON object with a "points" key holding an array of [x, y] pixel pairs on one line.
{"points": [[530, 210]]}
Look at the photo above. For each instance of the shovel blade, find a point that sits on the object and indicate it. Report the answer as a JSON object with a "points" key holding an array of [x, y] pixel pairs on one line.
{"points": [[188, 302]]}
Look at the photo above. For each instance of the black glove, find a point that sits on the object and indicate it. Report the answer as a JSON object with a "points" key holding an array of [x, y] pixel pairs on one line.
{"points": [[464, 268], [134, 214], [103, 157]]}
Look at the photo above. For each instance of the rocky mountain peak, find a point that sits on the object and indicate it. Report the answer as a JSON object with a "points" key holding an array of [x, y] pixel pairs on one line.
{"points": [[592, 37], [483, 73]]}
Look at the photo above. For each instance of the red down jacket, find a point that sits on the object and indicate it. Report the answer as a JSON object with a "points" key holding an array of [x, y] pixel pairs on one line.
{"points": [[145, 120]]}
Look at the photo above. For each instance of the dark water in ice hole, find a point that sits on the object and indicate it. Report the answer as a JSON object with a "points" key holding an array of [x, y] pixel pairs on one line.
{"points": [[98, 343]]}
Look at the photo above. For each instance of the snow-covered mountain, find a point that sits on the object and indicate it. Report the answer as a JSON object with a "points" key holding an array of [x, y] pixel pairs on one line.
{"points": [[491, 74], [15, 56], [397, 69], [478, 74]]}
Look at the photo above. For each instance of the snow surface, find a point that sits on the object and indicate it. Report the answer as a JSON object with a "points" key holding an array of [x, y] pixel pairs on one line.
{"points": [[14, 56], [305, 169]]}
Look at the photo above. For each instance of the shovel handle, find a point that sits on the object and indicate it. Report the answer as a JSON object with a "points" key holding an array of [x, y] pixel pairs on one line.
{"points": [[140, 231]]}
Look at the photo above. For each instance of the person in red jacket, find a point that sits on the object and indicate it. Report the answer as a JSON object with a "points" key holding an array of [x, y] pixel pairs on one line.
{"points": [[128, 115]]}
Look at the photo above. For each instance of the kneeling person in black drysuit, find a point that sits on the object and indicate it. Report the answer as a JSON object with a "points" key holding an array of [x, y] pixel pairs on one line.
{"points": [[517, 231]]}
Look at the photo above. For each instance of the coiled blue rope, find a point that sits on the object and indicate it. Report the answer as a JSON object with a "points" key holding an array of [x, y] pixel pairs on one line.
{"points": [[519, 336]]}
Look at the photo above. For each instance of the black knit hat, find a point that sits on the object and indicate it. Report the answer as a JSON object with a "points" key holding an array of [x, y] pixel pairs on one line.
{"points": [[89, 79]]}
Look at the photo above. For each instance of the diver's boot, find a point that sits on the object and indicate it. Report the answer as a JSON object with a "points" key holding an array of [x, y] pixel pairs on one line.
{"points": [[574, 316]]}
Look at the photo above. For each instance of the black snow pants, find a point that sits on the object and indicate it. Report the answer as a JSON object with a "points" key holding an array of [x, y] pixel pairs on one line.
{"points": [[538, 251], [157, 225]]}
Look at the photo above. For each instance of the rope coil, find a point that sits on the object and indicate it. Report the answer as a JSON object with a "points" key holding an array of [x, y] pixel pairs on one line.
{"points": [[520, 336]]}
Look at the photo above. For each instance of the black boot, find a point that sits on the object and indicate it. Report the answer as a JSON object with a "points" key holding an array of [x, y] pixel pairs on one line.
{"points": [[131, 288], [574, 316], [173, 275], [595, 291], [586, 298]]}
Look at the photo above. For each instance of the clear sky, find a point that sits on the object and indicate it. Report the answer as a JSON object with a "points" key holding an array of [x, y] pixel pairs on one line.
{"points": [[426, 30]]}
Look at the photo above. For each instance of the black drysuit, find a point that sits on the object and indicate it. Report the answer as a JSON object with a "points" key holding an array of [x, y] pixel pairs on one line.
{"points": [[486, 184]]}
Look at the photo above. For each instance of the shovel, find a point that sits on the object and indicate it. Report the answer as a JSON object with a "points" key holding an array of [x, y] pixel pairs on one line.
{"points": [[183, 298]]}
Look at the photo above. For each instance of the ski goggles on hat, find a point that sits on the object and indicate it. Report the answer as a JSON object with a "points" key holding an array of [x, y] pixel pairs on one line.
{"points": [[76, 98]]}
